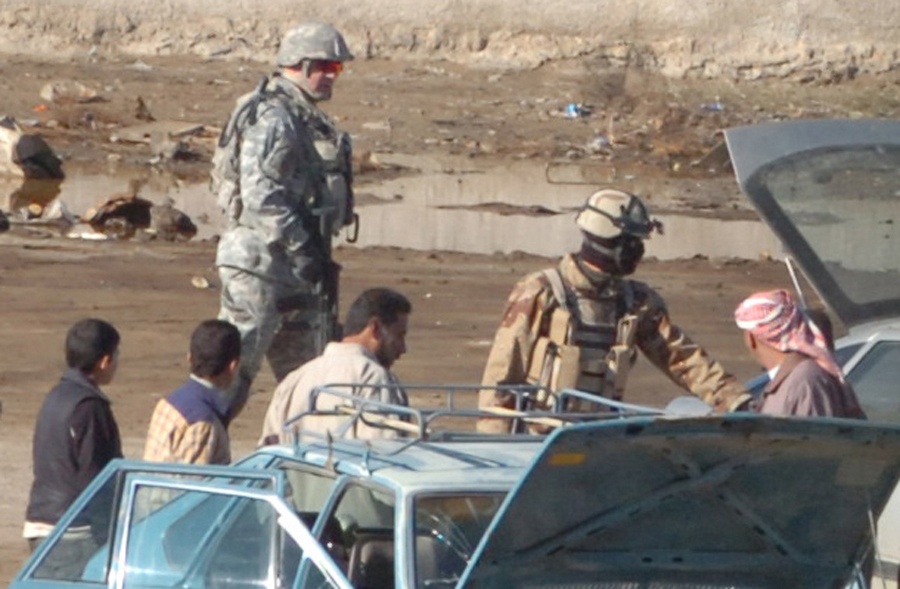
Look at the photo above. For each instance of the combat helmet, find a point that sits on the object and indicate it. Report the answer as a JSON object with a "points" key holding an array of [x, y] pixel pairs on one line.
{"points": [[312, 41], [608, 214]]}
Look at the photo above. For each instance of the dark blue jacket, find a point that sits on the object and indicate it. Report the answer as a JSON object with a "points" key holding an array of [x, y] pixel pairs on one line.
{"points": [[75, 436]]}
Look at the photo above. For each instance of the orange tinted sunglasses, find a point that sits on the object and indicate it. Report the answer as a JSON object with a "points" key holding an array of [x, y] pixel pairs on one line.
{"points": [[330, 67]]}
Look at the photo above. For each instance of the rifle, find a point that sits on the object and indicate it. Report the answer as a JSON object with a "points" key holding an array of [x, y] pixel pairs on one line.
{"points": [[334, 214]]}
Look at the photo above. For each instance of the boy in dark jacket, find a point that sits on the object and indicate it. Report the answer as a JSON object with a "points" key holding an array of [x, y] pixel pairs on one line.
{"points": [[75, 435]]}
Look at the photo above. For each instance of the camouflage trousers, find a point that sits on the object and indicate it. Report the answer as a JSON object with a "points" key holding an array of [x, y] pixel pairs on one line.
{"points": [[286, 338]]}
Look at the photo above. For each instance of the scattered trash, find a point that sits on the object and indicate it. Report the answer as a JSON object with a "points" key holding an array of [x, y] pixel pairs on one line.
{"points": [[145, 132], [37, 201], [120, 217], [384, 125], [170, 224], [89, 236], [575, 110], [365, 161], [69, 91], [714, 106], [25, 154], [200, 282], [599, 145], [165, 147], [57, 212], [141, 66], [142, 111]]}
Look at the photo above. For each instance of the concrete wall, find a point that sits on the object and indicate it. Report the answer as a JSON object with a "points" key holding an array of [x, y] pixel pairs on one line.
{"points": [[697, 38]]}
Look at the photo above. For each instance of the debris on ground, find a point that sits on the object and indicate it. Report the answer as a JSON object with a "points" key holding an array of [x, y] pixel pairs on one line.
{"points": [[145, 132], [37, 201], [120, 217], [26, 154], [127, 216], [142, 111], [69, 91], [170, 224]]}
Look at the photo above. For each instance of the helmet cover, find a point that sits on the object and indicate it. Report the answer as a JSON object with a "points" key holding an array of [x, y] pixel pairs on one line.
{"points": [[608, 214], [312, 40]]}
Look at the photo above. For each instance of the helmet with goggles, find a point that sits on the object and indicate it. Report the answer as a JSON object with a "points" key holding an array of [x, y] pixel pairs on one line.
{"points": [[609, 214], [312, 41]]}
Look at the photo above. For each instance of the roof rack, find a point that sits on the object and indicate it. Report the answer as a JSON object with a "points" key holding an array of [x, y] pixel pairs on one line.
{"points": [[453, 411]]}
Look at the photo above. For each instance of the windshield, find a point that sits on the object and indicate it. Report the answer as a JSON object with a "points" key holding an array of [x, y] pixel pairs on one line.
{"points": [[448, 528]]}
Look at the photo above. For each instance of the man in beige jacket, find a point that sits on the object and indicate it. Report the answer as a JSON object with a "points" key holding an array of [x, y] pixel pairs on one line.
{"points": [[374, 338]]}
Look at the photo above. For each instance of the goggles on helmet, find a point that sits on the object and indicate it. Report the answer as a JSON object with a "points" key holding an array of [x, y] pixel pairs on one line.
{"points": [[633, 219]]}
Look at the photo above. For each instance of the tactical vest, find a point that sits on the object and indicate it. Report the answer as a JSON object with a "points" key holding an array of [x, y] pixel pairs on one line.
{"points": [[335, 201], [588, 341], [333, 169]]}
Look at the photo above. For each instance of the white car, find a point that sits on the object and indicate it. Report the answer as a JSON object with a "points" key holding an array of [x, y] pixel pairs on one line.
{"points": [[830, 190]]}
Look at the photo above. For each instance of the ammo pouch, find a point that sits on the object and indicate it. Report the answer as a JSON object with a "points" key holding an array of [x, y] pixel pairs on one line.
{"points": [[335, 201], [557, 364], [622, 355]]}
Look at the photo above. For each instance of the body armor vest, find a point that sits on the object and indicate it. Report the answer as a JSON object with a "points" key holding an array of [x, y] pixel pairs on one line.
{"points": [[333, 199], [588, 341], [335, 202]]}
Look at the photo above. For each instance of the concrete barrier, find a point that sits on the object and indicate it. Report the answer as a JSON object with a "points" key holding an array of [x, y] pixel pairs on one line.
{"points": [[736, 39]]}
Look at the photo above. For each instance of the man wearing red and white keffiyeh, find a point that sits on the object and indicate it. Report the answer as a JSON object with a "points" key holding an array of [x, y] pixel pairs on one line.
{"points": [[804, 378]]}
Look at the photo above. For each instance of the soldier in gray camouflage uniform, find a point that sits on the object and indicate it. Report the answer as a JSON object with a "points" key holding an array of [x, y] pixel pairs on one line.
{"points": [[579, 325], [290, 188]]}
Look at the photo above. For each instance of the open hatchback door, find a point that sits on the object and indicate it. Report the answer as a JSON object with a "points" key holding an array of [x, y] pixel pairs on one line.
{"points": [[830, 190]]}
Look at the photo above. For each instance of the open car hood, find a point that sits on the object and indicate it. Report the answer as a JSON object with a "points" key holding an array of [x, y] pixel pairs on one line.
{"points": [[830, 190], [734, 501]]}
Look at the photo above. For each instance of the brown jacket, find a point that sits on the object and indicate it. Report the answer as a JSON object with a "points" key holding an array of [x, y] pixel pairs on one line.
{"points": [[802, 387]]}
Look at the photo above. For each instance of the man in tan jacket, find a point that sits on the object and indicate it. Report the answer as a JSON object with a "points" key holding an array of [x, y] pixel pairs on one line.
{"points": [[374, 338]]}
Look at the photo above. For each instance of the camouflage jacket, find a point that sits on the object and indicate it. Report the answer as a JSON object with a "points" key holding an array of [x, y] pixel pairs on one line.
{"points": [[662, 342], [277, 230]]}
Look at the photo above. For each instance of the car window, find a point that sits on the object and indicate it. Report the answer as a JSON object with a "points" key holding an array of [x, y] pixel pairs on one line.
{"points": [[81, 552], [448, 528], [194, 538], [359, 535], [875, 380], [308, 489]]}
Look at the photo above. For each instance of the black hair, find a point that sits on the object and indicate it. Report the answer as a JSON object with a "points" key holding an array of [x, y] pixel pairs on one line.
{"points": [[214, 345], [88, 341], [381, 303]]}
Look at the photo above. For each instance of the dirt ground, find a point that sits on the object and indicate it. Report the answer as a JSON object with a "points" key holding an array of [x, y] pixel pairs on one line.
{"points": [[146, 288]]}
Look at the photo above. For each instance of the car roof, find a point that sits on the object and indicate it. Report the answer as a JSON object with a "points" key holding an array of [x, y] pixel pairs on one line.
{"points": [[430, 448], [830, 191], [494, 462]]}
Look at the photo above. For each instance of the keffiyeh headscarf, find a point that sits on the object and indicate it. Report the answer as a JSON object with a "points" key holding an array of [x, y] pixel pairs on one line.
{"points": [[774, 318]]}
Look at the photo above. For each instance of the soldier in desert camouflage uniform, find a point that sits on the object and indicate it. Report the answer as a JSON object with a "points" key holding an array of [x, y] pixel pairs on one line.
{"points": [[579, 325], [288, 187]]}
